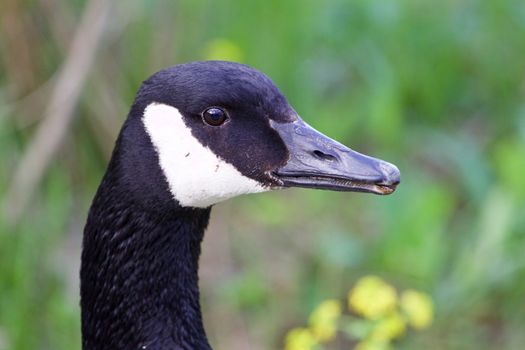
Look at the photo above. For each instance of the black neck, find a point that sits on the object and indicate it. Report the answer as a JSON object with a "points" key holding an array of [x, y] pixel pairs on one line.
{"points": [[139, 282]]}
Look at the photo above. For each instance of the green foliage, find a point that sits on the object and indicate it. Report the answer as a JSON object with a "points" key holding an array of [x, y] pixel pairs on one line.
{"points": [[434, 87]]}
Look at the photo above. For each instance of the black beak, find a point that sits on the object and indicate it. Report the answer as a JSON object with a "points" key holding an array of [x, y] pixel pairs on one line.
{"points": [[317, 161]]}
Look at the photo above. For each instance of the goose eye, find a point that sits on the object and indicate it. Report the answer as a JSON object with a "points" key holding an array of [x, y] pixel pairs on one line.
{"points": [[214, 116]]}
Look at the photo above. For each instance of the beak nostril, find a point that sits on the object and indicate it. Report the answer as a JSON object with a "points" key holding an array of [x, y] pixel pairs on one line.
{"points": [[323, 156]]}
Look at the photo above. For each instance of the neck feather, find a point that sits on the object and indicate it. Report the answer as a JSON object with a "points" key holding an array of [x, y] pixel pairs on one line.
{"points": [[139, 275]]}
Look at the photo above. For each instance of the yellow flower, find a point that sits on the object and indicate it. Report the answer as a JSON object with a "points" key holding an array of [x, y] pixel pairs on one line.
{"points": [[372, 297], [223, 49], [300, 339], [418, 308], [323, 320], [389, 327], [370, 344]]}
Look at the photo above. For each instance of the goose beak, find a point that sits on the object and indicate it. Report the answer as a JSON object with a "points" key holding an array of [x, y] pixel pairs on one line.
{"points": [[317, 161]]}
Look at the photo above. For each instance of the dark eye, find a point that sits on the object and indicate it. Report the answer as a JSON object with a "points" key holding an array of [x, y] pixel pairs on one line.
{"points": [[214, 116]]}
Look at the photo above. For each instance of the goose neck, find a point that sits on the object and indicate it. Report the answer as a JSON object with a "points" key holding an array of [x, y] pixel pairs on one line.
{"points": [[139, 277]]}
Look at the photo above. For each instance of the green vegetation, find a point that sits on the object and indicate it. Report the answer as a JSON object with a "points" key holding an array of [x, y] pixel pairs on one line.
{"points": [[437, 88]]}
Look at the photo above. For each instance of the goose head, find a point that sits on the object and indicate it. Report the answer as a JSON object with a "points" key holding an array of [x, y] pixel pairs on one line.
{"points": [[222, 129], [197, 134]]}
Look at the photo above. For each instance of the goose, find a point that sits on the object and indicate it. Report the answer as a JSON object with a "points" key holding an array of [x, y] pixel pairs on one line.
{"points": [[197, 134]]}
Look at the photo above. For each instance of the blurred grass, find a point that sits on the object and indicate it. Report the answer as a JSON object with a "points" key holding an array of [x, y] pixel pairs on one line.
{"points": [[436, 87]]}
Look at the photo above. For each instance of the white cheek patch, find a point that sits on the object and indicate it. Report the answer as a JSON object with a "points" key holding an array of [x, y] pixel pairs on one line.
{"points": [[197, 177]]}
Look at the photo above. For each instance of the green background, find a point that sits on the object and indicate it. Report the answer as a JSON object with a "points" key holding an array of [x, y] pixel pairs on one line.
{"points": [[436, 87]]}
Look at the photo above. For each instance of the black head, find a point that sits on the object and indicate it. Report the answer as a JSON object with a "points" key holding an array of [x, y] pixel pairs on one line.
{"points": [[221, 129]]}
